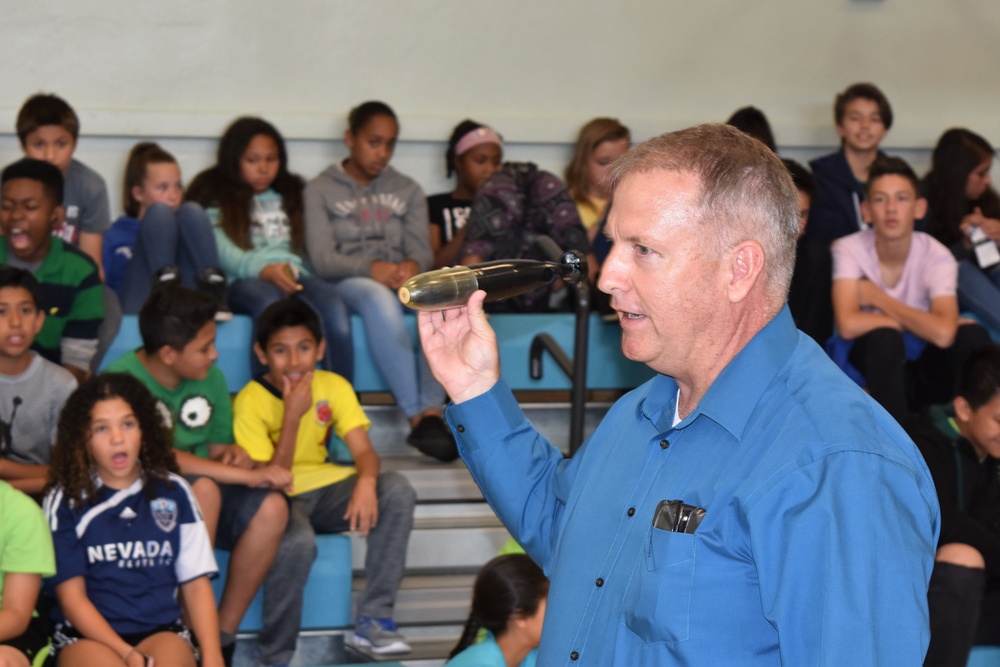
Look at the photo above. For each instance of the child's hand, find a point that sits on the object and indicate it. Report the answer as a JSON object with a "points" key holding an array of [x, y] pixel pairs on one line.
{"points": [[279, 275], [297, 398], [406, 270], [274, 477], [234, 455], [362, 510], [385, 273]]}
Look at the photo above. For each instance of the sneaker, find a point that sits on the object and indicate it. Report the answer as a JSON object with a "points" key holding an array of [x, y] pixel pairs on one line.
{"points": [[377, 635], [167, 275], [213, 282], [432, 437]]}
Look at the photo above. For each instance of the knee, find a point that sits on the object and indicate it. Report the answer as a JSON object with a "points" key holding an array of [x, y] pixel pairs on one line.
{"points": [[957, 553], [207, 493], [395, 491], [971, 336], [273, 513], [298, 544]]}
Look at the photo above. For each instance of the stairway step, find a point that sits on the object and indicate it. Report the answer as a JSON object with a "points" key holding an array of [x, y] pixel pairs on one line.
{"points": [[437, 550]]}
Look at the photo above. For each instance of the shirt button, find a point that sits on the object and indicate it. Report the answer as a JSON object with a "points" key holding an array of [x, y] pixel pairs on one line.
{"points": [[631, 511], [664, 444], [461, 429], [574, 655], [599, 582]]}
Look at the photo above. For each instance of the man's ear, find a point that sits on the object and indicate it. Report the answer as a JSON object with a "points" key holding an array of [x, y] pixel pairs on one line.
{"points": [[747, 265], [920, 210], [259, 351]]}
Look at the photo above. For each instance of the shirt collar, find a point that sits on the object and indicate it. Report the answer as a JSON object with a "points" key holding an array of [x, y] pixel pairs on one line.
{"points": [[734, 394]]}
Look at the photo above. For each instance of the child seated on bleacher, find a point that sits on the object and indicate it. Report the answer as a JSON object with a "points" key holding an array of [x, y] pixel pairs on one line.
{"points": [[128, 536], [285, 418], [809, 292], [366, 226], [600, 142], [25, 557], [963, 212], [32, 388], [245, 511], [508, 602], [959, 440], [161, 238], [474, 152], [48, 129], [255, 205], [863, 117], [70, 290], [894, 299]]}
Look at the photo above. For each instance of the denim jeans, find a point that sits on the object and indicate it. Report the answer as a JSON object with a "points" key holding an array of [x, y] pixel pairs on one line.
{"points": [[181, 238], [400, 363], [250, 296]]}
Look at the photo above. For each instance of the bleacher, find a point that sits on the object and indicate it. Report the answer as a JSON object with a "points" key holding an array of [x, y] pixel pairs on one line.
{"points": [[455, 531]]}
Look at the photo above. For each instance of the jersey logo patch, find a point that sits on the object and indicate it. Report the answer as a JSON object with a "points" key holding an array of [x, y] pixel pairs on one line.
{"points": [[165, 513], [196, 412], [324, 415]]}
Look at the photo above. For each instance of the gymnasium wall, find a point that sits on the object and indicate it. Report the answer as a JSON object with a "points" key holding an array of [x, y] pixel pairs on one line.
{"points": [[179, 71]]}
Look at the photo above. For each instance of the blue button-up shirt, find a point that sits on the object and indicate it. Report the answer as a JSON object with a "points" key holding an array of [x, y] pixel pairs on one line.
{"points": [[817, 542]]}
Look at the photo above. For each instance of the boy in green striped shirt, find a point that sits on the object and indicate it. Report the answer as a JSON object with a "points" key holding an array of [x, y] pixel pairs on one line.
{"points": [[70, 291]]}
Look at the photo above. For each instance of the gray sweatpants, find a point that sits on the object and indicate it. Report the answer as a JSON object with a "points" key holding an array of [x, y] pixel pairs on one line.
{"points": [[322, 511]]}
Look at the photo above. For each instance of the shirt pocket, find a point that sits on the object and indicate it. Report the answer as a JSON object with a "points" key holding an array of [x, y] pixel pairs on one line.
{"points": [[658, 604]]}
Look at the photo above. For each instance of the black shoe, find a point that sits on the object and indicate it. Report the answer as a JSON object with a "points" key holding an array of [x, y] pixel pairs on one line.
{"points": [[227, 654], [433, 437], [213, 282], [168, 275]]}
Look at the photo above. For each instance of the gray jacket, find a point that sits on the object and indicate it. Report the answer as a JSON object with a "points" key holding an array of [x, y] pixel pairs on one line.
{"points": [[348, 225]]}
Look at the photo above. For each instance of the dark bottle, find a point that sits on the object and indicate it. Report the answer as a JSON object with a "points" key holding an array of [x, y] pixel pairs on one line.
{"points": [[501, 279]]}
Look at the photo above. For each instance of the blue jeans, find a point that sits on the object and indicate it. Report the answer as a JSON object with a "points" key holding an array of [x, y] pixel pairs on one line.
{"points": [[168, 238], [400, 363], [250, 296], [979, 291]]}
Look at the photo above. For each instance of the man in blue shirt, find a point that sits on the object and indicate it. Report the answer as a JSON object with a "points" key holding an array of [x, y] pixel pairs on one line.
{"points": [[820, 518]]}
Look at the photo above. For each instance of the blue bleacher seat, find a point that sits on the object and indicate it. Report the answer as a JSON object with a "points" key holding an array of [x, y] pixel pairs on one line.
{"points": [[327, 602], [606, 367], [985, 656]]}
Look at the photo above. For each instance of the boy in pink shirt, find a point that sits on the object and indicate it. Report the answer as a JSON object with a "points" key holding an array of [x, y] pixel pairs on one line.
{"points": [[894, 298]]}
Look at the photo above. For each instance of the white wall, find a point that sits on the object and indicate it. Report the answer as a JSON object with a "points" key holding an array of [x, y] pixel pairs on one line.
{"points": [[179, 71]]}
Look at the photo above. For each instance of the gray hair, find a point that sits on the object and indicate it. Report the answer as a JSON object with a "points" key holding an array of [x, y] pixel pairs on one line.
{"points": [[746, 193]]}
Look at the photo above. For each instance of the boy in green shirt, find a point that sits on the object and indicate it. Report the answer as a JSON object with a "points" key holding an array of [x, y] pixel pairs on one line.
{"points": [[244, 507]]}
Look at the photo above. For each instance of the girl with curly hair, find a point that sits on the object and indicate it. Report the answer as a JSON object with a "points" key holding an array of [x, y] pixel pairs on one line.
{"points": [[127, 534]]}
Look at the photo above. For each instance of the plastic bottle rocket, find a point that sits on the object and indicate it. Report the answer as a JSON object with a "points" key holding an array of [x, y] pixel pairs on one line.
{"points": [[501, 279]]}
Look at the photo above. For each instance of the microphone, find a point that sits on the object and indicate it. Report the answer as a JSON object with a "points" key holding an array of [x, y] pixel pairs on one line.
{"points": [[500, 279]]}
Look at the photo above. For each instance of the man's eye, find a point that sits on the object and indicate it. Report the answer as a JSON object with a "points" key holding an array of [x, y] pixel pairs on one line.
{"points": [[642, 250]]}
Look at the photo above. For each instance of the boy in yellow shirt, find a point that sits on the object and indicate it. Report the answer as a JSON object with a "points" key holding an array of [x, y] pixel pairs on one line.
{"points": [[285, 417]]}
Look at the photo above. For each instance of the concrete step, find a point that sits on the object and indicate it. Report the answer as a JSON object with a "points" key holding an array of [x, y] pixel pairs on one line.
{"points": [[390, 427], [429, 599]]}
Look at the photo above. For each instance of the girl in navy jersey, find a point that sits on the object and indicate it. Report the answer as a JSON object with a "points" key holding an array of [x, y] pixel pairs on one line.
{"points": [[128, 534]]}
